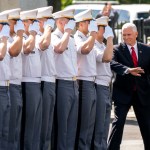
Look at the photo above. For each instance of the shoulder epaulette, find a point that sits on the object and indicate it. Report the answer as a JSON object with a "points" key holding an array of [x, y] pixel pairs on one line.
{"points": [[24, 37], [39, 34], [72, 36], [80, 36], [57, 36]]}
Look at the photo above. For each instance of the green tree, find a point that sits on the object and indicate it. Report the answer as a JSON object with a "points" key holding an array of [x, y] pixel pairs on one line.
{"points": [[66, 3]]}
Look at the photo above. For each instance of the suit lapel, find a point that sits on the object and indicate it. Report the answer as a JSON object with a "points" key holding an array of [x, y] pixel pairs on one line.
{"points": [[126, 53], [140, 52]]}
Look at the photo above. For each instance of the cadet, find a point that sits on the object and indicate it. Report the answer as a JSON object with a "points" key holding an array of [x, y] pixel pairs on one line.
{"points": [[103, 80], [15, 47], [86, 77], [66, 70], [32, 98], [4, 82], [46, 23]]}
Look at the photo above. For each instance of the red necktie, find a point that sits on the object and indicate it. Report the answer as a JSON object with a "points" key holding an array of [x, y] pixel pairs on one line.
{"points": [[134, 57]]}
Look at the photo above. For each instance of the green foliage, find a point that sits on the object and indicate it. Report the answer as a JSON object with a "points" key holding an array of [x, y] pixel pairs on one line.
{"points": [[66, 3]]}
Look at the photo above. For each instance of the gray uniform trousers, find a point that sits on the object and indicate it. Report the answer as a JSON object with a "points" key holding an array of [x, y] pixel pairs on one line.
{"points": [[31, 116], [67, 113], [87, 111], [102, 122], [48, 103], [15, 116], [4, 116]]}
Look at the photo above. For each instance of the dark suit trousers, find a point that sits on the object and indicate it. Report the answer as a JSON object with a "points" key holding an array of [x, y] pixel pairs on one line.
{"points": [[115, 137], [142, 114]]}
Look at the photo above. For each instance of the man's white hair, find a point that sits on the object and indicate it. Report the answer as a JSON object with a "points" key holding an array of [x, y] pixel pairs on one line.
{"points": [[129, 25]]}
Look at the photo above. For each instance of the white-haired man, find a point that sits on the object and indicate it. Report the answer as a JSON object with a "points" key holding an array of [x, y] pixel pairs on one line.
{"points": [[131, 62]]}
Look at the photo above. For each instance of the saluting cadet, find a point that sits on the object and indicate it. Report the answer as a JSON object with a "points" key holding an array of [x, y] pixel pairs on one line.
{"points": [[103, 80], [4, 82], [32, 98], [85, 39], [15, 47], [46, 23], [66, 70]]}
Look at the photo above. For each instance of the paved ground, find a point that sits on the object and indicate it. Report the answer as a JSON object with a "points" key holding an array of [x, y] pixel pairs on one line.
{"points": [[132, 139]]}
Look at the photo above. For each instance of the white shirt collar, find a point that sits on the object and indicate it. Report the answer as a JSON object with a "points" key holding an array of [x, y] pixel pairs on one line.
{"points": [[58, 32], [80, 33], [135, 47]]}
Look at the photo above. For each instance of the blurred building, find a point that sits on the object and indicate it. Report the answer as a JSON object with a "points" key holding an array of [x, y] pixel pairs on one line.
{"points": [[23, 4]]}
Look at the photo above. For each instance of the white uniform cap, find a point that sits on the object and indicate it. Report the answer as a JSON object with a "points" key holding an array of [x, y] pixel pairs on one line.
{"points": [[30, 14], [45, 12], [103, 21], [64, 14], [3, 17], [13, 13], [84, 15]]}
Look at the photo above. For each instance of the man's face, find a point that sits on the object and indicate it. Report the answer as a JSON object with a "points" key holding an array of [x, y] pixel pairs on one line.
{"points": [[41, 22], [83, 27], [101, 30], [26, 24], [64, 21], [12, 22], [61, 22], [129, 36]]}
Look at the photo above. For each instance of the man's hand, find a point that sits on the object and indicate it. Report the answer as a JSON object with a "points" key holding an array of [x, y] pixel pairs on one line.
{"points": [[70, 25], [34, 27], [108, 32], [92, 26], [49, 22], [19, 26], [135, 71], [5, 31]]}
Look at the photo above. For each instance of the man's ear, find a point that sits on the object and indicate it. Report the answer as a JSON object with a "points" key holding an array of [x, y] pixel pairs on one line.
{"points": [[136, 34]]}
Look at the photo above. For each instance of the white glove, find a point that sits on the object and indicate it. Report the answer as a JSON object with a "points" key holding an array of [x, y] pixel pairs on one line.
{"points": [[34, 27], [49, 22], [5, 31], [70, 25], [108, 32], [18, 26], [92, 26]]}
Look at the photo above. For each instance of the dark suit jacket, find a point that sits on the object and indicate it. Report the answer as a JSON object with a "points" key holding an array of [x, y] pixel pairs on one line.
{"points": [[124, 83]]}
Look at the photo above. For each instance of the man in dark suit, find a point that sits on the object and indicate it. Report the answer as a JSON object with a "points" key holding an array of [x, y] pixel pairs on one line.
{"points": [[131, 62]]}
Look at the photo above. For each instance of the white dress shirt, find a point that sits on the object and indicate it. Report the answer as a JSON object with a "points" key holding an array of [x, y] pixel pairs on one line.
{"points": [[104, 73], [15, 66], [31, 65], [135, 48], [5, 72], [86, 63], [66, 63], [48, 70]]}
